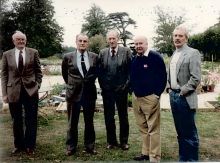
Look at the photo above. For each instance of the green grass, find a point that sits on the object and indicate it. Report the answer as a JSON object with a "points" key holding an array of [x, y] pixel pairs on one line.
{"points": [[52, 136]]}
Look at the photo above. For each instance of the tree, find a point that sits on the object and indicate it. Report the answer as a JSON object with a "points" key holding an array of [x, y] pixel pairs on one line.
{"points": [[95, 22], [3, 6], [163, 42], [121, 21], [35, 19], [97, 43], [208, 43]]}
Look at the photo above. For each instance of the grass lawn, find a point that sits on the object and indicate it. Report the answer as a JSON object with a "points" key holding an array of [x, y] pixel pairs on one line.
{"points": [[52, 135]]}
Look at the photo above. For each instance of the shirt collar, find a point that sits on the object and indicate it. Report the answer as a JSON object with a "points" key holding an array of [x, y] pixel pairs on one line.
{"points": [[183, 47], [17, 50], [116, 49], [145, 53], [84, 54]]}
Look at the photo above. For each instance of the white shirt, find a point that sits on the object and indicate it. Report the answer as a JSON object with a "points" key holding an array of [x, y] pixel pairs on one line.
{"points": [[17, 51], [173, 73], [86, 60], [116, 50]]}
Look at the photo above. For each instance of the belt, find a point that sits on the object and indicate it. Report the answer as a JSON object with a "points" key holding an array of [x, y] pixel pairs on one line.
{"points": [[176, 90]]}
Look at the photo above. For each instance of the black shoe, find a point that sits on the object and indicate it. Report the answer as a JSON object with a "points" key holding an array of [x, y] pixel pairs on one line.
{"points": [[124, 147], [30, 151], [90, 151], [141, 157], [16, 150], [70, 152]]}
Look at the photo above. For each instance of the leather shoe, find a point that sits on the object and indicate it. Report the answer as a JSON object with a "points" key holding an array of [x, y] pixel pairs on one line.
{"points": [[124, 147], [30, 151], [70, 152], [90, 151], [16, 150], [141, 157], [111, 146]]}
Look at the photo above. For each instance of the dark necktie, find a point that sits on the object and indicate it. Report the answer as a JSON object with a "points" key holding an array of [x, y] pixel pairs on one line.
{"points": [[113, 52], [20, 62], [83, 65]]}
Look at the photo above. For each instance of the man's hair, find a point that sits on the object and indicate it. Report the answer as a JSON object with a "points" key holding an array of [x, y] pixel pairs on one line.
{"points": [[81, 34], [184, 29], [18, 33], [140, 36], [113, 31]]}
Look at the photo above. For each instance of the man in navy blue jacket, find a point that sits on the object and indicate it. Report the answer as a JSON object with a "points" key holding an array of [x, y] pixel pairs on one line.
{"points": [[148, 81]]}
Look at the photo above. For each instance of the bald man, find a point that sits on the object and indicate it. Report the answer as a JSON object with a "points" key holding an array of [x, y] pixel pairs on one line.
{"points": [[21, 78], [148, 81]]}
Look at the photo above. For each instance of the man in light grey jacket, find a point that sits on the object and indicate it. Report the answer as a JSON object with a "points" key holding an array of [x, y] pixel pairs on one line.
{"points": [[183, 78]]}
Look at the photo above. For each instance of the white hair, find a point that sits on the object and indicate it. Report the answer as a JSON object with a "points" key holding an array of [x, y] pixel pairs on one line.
{"points": [[114, 32], [184, 29], [18, 33], [140, 37]]}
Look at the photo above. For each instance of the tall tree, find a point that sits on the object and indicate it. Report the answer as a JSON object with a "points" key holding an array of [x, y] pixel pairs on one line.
{"points": [[35, 19], [121, 21], [208, 43], [3, 6], [166, 23], [95, 22], [96, 43]]}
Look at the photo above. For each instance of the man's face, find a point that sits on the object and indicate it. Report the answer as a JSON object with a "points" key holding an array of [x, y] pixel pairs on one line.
{"points": [[112, 40], [82, 43], [179, 38], [141, 45], [19, 41]]}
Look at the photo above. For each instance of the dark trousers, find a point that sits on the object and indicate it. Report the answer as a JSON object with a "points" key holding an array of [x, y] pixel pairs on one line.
{"points": [[24, 136], [73, 119], [184, 119], [120, 99]]}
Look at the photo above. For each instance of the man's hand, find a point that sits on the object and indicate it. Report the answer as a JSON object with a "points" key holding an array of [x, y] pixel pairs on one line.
{"points": [[5, 99]]}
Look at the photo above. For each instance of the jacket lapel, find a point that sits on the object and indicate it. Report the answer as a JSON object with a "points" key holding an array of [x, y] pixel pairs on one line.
{"points": [[13, 59], [120, 55], [181, 59]]}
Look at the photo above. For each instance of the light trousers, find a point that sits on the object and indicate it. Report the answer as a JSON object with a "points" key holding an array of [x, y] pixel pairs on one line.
{"points": [[147, 114]]}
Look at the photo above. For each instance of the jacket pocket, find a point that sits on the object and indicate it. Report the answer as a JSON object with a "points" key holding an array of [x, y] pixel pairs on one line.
{"points": [[9, 85]]}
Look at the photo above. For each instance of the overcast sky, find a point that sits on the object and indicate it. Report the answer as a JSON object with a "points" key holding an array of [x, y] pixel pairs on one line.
{"points": [[199, 14]]}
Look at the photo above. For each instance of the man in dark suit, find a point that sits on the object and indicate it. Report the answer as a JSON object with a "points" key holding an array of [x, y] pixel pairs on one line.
{"points": [[183, 78], [113, 80], [21, 78], [79, 70]]}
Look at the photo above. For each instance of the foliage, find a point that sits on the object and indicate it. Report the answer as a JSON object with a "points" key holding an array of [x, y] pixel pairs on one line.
{"points": [[95, 22], [67, 49], [3, 9], [57, 89], [166, 23], [97, 43], [211, 78], [208, 43], [121, 21], [35, 19]]}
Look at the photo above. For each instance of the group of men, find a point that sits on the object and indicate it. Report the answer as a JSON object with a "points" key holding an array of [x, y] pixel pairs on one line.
{"points": [[118, 73]]}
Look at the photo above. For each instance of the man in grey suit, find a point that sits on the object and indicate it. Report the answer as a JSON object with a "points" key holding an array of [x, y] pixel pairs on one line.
{"points": [[21, 78], [113, 79], [183, 78], [79, 70]]}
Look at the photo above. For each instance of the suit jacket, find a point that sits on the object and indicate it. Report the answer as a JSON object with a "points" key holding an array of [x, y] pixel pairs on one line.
{"points": [[188, 71], [122, 73], [11, 79], [75, 83]]}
